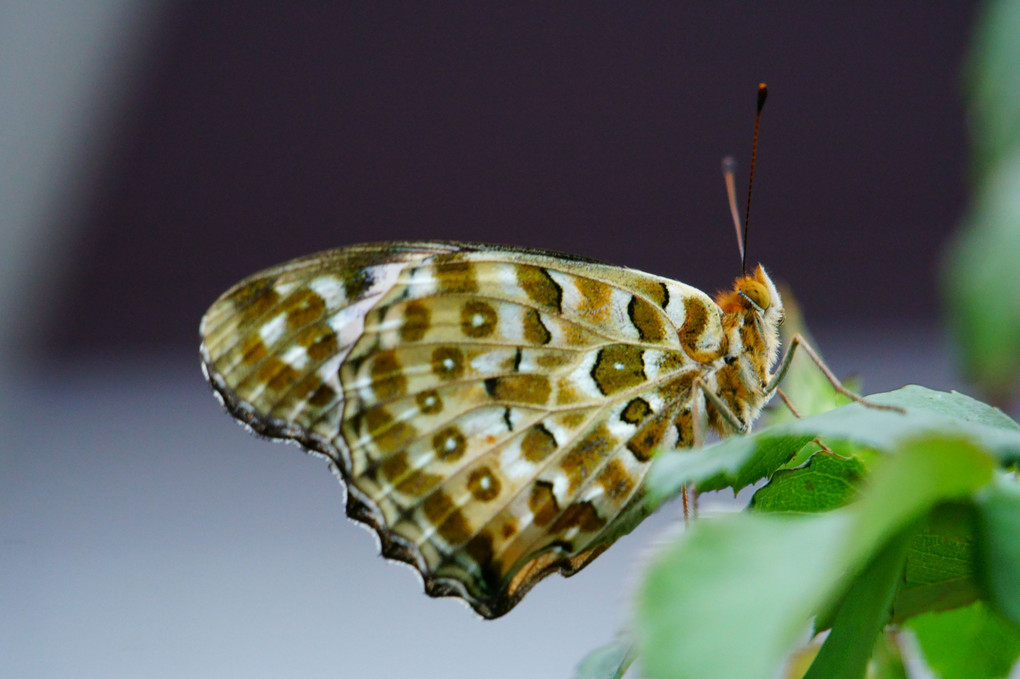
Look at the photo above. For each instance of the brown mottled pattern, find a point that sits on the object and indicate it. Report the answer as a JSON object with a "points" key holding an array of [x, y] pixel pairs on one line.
{"points": [[615, 480], [299, 391], [684, 424], [356, 281], [509, 528], [449, 444], [542, 503], [595, 299], [678, 388], [449, 521], [567, 392], [455, 276], [586, 455], [540, 288], [417, 320], [254, 299], [653, 290], [395, 466], [672, 361], [412, 482], [695, 319], [448, 362], [643, 443], [480, 549], [522, 388], [636, 410], [304, 306], [553, 360], [436, 506], [418, 483], [429, 402], [618, 367], [478, 319], [253, 350], [538, 443], [535, 331], [484, 486], [276, 375], [388, 381], [455, 529], [387, 433], [574, 418], [323, 395], [318, 340], [647, 319], [581, 515]]}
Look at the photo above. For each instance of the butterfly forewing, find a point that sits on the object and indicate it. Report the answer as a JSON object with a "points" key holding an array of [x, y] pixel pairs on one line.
{"points": [[492, 411]]}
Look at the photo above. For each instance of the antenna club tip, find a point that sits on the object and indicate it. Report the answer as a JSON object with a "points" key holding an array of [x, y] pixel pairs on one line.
{"points": [[763, 93], [729, 165]]}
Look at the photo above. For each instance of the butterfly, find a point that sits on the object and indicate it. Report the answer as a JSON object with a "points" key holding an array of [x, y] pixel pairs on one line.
{"points": [[492, 411]]}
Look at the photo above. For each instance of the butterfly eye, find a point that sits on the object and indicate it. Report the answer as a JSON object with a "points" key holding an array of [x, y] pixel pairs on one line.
{"points": [[756, 292]]}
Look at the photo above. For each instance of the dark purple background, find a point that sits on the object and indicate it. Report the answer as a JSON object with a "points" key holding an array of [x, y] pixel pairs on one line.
{"points": [[263, 131]]}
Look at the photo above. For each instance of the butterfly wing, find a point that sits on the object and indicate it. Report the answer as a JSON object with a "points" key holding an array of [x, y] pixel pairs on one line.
{"points": [[492, 411]]}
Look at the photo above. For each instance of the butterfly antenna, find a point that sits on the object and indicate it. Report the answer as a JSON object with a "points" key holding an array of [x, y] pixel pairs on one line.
{"points": [[729, 168], [763, 93]]}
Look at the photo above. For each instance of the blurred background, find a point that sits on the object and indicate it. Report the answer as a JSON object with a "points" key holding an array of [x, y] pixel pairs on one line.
{"points": [[154, 153]]}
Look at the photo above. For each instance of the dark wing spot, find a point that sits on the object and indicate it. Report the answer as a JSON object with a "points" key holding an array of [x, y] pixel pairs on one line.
{"points": [[448, 362], [484, 486], [304, 306], [520, 388], [643, 443], [417, 320], [449, 444], [429, 402], [540, 287], [587, 454], [635, 411], [455, 277], [618, 367], [535, 331], [582, 515], [388, 380], [538, 443], [477, 319], [542, 503], [646, 319]]}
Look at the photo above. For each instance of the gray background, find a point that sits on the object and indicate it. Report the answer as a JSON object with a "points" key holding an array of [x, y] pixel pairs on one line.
{"points": [[153, 154]]}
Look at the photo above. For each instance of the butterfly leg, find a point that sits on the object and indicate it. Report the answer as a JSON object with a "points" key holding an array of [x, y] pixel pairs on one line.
{"points": [[731, 417], [789, 405], [784, 365]]}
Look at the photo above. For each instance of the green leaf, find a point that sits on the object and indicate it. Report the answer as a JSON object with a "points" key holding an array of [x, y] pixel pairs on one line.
{"points": [[982, 283], [967, 643], [732, 598], [981, 279], [993, 84], [825, 482], [941, 564], [753, 580], [610, 661], [863, 614], [740, 460], [999, 511]]}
